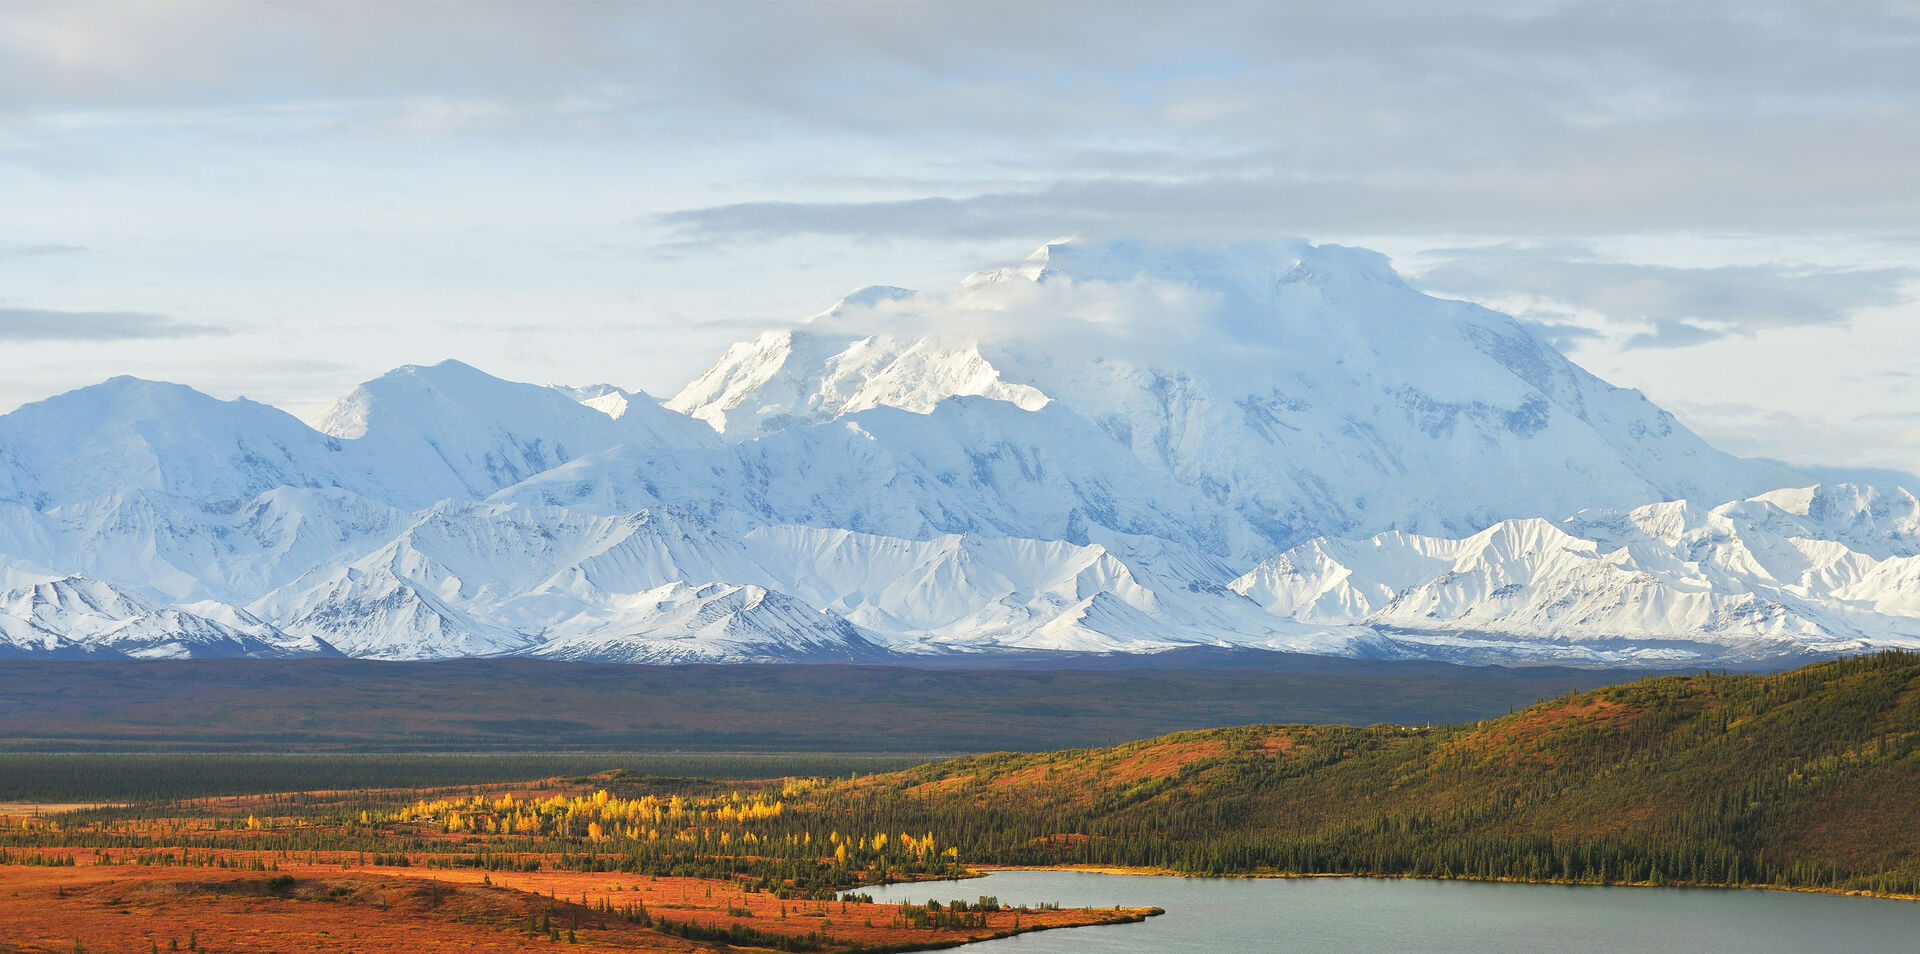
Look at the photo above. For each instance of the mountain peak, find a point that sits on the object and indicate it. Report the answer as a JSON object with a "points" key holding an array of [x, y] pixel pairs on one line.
{"points": [[423, 433], [447, 392], [865, 297], [784, 378], [445, 366], [130, 433], [135, 395], [608, 399]]}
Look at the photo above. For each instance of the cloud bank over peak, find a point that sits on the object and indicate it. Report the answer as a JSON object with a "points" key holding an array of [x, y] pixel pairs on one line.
{"points": [[1672, 306], [1192, 304]]}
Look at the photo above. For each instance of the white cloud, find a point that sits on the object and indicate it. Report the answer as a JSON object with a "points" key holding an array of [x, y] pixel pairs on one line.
{"points": [[44, 324], [1653, 305]]}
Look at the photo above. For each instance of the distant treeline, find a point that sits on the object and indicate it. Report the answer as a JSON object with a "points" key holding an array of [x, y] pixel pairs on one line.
{"points": [[519, 705], [146, 777]]}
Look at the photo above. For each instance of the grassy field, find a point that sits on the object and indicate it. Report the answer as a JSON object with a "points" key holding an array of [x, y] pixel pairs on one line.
{"points": [[433, 870], [30, 778], [325, 907]]}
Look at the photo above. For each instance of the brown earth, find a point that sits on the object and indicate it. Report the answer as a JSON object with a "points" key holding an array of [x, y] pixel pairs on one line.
{"points": [[335, 907]]}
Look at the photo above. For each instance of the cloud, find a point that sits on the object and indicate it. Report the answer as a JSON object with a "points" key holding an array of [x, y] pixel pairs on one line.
{"points": [[1827, 442], [43, 324], [1672, 334], [1143, 315], [1138, 304], [1520, 118], [1676, 306], [1527, 195], [1609, 59], [38, 251], [1561, 334], [1500, 118]]}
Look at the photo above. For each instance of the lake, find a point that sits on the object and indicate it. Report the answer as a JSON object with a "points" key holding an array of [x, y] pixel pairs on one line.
{"points": [[1431, 917]]}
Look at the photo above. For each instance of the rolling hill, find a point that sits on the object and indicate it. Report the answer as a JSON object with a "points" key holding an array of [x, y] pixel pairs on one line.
{"points": [[1797, 779]]}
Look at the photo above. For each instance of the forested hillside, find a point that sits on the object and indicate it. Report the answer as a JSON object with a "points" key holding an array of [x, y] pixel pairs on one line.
{"points": [[1803, 779]]}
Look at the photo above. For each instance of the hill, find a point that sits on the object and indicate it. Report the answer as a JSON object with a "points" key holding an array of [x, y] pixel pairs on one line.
{"points": [[1800, 779]]}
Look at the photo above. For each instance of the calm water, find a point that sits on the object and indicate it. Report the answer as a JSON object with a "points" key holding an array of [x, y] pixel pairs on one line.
{"points": [[1431, 917]]}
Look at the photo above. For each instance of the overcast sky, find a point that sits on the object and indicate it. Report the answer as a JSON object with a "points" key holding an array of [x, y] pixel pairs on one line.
{"points": [[1717, 203]]}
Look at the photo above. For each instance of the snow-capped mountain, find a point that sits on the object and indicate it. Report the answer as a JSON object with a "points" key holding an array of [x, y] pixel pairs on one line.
{"points": [[1104, 448], [74, 617], [784, 378], [970, 465], [1306, 388], [678, 623], [126, 436], [418, 435], [1823, 569]]}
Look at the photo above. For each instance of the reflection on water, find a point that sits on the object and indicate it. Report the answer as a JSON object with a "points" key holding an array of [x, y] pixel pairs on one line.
{"points": [[1432, 917]]}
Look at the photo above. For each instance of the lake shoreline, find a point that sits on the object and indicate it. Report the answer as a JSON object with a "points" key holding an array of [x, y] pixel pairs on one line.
{"points": [[1152, 872]]}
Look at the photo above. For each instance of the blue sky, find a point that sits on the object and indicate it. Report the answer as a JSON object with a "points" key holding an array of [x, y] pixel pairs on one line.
{"points": [[1715, 203]]}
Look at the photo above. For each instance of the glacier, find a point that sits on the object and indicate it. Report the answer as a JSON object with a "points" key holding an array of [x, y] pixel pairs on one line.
{"points": [[1119, 447]]}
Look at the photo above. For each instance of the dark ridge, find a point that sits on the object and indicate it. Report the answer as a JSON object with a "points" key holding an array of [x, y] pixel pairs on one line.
{"points": [[521, 705]]}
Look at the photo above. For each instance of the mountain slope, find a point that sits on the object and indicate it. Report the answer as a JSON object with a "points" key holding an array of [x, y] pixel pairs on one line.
{"points": [[1773, 574], [676, 623], [127, 435], [787, 378], [73, 617], [492, 578], [422, 434], [970, 465], [178, 548]]}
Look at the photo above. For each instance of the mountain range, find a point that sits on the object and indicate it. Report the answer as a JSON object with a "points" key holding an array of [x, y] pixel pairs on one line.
{"points": [[1107, 447]]}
